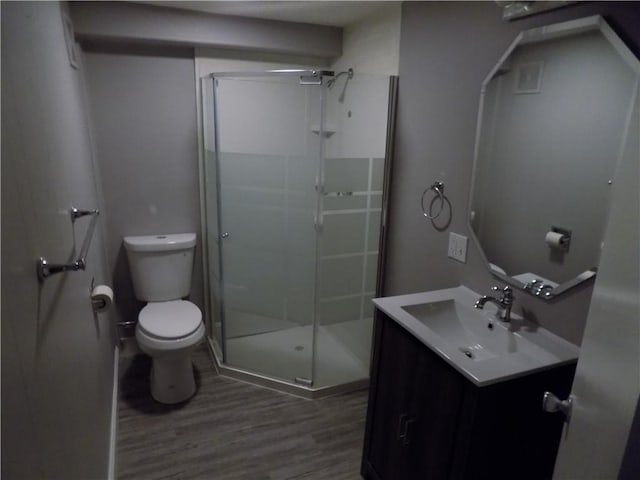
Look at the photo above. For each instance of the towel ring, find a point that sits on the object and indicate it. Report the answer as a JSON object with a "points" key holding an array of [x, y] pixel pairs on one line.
{"points": [[437, 187]]}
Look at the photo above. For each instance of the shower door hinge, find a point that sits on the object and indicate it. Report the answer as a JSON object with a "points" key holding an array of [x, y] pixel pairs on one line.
{"points": [[317, 222], [311, 79], [304, 381]]}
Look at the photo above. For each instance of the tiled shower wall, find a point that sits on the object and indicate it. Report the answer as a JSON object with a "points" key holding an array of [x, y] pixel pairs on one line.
{"points": [[268, 207], [351, 212], [268, 202]]}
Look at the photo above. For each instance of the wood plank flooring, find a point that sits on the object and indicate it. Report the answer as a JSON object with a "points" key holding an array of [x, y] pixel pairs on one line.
{"points": [[232, 430]]}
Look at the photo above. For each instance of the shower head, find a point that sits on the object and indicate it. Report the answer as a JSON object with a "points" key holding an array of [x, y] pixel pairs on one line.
{"points": [[348, 73], [332, 81]]}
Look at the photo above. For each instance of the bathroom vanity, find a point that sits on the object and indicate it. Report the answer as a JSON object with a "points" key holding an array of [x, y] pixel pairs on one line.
{"points": [[454, 392], [447, 403]]}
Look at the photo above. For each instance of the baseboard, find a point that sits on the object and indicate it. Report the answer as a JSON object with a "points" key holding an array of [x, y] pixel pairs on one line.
{"points": [[112, 473]]}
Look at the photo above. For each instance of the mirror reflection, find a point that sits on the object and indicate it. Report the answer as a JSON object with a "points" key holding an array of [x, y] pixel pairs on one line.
{"points": [[553, 125]]}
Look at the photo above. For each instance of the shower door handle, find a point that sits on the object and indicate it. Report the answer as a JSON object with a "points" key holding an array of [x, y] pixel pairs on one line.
{"points": [[225, 235]]}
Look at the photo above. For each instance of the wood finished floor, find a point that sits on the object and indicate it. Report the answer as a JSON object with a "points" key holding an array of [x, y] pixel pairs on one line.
{"points": [[232, 430]]}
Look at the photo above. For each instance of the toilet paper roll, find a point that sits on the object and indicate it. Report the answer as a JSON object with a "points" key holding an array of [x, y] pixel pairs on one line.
{"points": [[556, 240], [101, 298]]}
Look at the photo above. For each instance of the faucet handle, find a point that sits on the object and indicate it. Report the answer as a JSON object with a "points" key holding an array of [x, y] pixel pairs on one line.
{"points": [[506, 289], [506, 293]]}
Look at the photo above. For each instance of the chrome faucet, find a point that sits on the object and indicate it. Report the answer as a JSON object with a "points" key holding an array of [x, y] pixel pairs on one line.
{"points": [[504, 302]]}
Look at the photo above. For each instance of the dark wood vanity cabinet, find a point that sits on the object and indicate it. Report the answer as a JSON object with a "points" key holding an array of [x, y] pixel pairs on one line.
{"points": [[425, 420]]}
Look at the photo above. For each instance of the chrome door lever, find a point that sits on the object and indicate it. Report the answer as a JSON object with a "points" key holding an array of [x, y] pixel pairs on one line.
{"points": [[75, 213], [551, 403]]}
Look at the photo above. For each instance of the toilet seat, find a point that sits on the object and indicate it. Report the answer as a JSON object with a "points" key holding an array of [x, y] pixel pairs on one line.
{"points": [[171, 320]]}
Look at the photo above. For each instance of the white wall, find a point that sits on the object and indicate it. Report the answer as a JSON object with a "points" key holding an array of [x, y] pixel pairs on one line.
{"points": [[360, 119], [372, 48], [57, 355], [372, 45]]}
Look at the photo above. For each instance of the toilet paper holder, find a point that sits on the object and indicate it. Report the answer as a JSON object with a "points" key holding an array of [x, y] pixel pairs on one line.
{"points": [[99, 304], [565, 238]]}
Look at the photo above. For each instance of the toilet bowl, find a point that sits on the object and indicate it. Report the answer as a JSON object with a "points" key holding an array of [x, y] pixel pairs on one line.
{"points": [[168, 332], [168, 327]]}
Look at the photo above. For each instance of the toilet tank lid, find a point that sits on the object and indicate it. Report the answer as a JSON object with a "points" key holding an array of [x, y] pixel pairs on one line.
{"points": [[160, 243]]}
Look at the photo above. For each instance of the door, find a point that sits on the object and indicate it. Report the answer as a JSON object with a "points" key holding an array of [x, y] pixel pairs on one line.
{"points": [[268, 161], [607, 381]]}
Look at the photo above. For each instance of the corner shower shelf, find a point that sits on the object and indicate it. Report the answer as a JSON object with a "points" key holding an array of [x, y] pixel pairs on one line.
{"points": [[328, 131]]}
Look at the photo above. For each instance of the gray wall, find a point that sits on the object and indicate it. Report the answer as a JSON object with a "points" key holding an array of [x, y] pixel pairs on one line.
{"points": [[57, 355], [143, 109], [129, 22], [563, 144], [141, 87], [446, 50]]}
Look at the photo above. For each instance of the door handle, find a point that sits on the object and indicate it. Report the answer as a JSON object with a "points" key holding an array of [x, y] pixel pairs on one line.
{"points": [[551, 403], [404, 423], [402, 426]]}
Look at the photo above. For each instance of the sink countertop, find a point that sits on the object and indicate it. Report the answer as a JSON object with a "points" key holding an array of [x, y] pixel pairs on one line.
{"points": [[538, 349]]}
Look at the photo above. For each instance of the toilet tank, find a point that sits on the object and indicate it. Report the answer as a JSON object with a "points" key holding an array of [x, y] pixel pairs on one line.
{"points": [[161, 265]]}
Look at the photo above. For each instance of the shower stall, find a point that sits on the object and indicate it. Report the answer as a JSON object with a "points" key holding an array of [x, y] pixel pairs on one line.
{"points": [[294, 165]]}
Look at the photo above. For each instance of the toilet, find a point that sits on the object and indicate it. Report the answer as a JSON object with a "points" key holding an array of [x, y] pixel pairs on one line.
{"points": [[168, 327]]}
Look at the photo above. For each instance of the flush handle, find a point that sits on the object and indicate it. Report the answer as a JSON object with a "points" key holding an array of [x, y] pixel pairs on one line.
{"points": [[551, 403]]}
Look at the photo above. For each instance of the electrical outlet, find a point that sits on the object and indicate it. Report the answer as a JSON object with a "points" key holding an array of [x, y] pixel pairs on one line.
{"points": [[457, 247]]}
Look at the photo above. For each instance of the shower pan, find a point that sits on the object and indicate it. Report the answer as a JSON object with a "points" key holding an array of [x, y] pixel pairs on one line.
{"points": [[293, 178]]}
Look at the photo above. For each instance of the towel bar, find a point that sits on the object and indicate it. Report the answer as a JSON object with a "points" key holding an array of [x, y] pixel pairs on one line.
{"points": [[46, 269]]}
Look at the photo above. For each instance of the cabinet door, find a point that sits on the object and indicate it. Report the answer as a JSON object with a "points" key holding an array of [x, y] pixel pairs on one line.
{"points": [[396, 360], [415, 407], [435, 405], [505, 421]]}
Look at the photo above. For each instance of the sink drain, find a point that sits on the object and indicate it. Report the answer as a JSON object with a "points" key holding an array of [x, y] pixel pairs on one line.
{"points": [[477, 352], [467, 352]]}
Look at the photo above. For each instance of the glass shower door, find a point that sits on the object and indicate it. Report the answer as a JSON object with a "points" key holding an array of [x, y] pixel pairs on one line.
{"points": [[354, 164], [268, 159]]}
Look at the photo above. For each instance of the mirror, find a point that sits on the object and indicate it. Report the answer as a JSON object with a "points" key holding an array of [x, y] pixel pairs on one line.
{"points": [[554, 121]]}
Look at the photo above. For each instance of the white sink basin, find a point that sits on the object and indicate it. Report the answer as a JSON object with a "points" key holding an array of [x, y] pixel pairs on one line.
{"points": [[475, 342]]}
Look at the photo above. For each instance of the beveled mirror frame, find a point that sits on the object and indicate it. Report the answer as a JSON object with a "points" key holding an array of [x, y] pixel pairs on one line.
{"points": [[534, 35]]}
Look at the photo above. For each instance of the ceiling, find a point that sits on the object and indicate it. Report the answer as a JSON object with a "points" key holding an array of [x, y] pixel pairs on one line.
{"points": [[334, 13]]}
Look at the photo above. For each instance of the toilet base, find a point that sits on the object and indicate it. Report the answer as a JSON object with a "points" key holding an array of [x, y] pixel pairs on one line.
{"points": [[172, 378]]}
